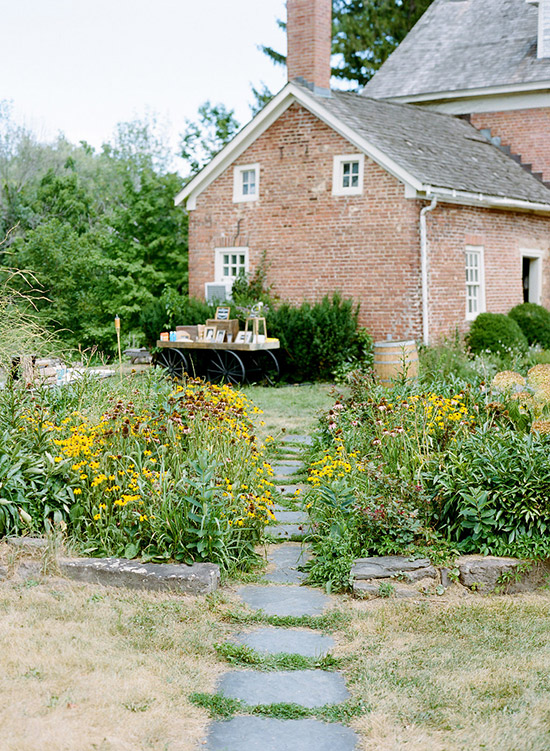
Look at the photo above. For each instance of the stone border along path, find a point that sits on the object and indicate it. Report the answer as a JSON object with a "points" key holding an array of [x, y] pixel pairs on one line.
{"points": [[283, 596]]}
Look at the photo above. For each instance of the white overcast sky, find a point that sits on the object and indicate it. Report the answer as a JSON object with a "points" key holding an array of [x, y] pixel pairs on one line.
{"points": [[80, 66]]}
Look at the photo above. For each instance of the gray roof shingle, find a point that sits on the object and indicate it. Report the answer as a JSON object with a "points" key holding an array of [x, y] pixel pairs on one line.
{"points": [[438, 149], [464, 44]]}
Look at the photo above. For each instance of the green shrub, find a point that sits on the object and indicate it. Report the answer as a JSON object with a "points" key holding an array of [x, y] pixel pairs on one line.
{"points": [[495, 332], [170, 310], [493, 489], [317, 337], [534, 321]]}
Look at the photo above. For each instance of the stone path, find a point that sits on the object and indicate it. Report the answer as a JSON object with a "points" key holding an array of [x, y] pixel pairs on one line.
{"points": [[284, 596]]}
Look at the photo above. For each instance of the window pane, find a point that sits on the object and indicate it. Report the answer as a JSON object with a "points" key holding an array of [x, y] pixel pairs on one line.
{"points": [[249, 182], [350, 174], [226, 257], [226, 270]]}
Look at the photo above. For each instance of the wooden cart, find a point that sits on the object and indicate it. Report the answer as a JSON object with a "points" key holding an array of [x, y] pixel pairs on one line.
{"points": [[229, 362]]}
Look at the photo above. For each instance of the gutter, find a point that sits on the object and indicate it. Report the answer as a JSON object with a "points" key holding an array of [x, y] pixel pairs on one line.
{"points": [[424, 268], [481, 199]]}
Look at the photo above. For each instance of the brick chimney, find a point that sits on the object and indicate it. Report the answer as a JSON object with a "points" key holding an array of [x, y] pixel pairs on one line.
{"points": [[309, 36]]}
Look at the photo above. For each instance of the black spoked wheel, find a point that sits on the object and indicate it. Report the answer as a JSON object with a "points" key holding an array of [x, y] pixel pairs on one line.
{"points": [[262, 367], [225, 366], [173, 361]]}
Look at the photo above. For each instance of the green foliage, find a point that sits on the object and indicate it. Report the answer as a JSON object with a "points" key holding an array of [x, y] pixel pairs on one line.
{"points": [[492, 490], [364, 34], [534, 322], [243, 656], [317, 337], [20, 328], [331, 621], [495, 332], [34, 488], [201, 140], [172, 309], [149, 474], [223, 707], [99, 232]]}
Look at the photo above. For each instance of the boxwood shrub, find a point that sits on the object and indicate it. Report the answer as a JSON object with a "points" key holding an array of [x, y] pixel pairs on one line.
{"points": [[495, 332], [534, 321]]}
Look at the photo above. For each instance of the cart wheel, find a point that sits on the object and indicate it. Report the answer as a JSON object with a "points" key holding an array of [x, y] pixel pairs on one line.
{"points": [[262, 367], [225, 365], [173, 361]]}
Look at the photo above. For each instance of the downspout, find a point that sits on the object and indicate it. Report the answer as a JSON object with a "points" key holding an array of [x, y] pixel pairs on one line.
{"points": [[424, 268]]}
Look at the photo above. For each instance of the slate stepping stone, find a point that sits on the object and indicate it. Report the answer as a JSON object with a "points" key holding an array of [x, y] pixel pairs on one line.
{"points": [[267, 734], [292, 517], [291, 489], [288, 531], [282, 601], [283, 563], [309, 688], [286, 470], [295, 438], [294, 641]]}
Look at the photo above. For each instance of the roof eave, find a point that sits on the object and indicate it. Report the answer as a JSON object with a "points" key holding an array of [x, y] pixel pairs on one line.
{"points": [[468, 198], [481, 92]]}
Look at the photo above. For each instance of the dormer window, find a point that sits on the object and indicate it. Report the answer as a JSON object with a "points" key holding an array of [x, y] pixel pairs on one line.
{"points": [[246, 182], [543, 41], [347, 175]]}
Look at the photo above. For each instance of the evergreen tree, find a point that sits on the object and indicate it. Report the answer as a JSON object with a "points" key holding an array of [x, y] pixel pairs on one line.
{"points": [[364, 34]]}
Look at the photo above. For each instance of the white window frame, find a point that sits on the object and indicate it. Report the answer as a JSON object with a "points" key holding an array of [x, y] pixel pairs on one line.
{"points": [[238, 195], [480, 252], [219, 266], [338, 188], [535, 273]]}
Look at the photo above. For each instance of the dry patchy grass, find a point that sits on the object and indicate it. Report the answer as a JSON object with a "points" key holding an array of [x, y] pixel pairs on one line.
{"points": [[452, 676], [86, 667]]}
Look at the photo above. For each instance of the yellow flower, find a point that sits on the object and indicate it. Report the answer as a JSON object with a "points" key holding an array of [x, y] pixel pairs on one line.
{"points": [[77, 491], [97, 516]]}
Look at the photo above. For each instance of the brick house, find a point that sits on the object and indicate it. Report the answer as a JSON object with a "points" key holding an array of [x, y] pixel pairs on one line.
{"points": [[387, 196]]}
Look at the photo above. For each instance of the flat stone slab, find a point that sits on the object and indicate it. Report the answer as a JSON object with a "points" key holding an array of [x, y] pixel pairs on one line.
{"points": [[283, 561], [294, 641], [309, 688], [384, 567], [268, 734], [296, 438], [198, 579], [288, 531], [286, 470], [292, 517], [290, 600], [27, 543], [291, 488]]}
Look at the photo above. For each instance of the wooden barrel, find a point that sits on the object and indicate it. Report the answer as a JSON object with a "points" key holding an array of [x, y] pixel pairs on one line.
{"points": [[395, 360]]}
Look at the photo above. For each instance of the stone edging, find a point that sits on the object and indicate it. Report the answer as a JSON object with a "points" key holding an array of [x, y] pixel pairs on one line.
{"points": [[395, 575]]}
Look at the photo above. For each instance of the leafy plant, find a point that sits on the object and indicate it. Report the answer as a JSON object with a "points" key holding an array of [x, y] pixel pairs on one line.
{"points": [[534, 322], [495, 332]]}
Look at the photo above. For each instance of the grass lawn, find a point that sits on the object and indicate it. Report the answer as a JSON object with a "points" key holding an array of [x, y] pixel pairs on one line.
{"points": [[87, 667], [291, 409]]}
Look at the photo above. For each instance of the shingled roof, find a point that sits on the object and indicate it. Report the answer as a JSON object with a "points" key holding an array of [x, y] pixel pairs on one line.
{"points": [[464, 45], [437, 149]]}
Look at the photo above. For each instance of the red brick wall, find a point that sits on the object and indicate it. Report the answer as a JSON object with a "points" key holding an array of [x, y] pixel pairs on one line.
{"points": [[309, 35], [527, 132], [503, 235], [366, 247]]}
